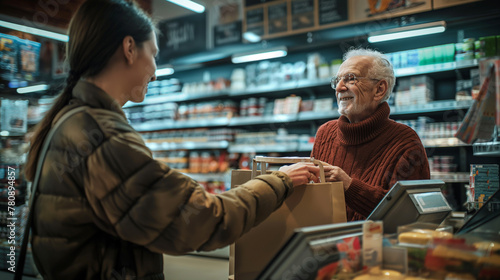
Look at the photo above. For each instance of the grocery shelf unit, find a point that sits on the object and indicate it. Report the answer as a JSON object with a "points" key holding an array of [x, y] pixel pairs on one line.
{"points": [[468, 20], [307, 119]]}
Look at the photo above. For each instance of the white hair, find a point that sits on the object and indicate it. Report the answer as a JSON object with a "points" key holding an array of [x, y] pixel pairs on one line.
{"points": [[381, 67]]}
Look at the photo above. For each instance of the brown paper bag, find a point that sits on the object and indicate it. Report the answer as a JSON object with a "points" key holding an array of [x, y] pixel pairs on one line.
{"points": [[309, 205]]}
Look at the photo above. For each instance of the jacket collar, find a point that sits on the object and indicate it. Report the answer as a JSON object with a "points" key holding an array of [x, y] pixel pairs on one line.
{"points": [[95, 97], [366, 130]]}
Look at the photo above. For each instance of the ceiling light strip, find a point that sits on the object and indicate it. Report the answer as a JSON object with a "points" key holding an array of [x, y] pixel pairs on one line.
{"points": [[29, 89], [190, 5], [260, 55], [34, 31], [407, 32]]}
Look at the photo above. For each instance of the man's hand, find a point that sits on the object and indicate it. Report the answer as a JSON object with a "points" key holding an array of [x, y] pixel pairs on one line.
{"points": [[301, 173], [335, 174]]}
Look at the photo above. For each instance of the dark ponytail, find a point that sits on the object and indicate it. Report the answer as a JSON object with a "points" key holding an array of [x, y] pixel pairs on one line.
{"points": [[95, 32]]}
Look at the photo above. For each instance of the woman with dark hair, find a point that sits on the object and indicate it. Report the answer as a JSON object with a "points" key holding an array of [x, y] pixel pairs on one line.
{"points": [[104, 208]]}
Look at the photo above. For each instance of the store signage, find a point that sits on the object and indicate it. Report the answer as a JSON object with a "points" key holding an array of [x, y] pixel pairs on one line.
{"points": [[227, 34], [182, 36], [277, 18], [368, 10], [255, 21], [249, 3], [302, 14], [448, 3], [332, 11]]}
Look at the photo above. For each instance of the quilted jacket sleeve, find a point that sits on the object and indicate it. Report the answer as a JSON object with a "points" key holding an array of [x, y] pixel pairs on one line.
{"points": [[143, 201]]}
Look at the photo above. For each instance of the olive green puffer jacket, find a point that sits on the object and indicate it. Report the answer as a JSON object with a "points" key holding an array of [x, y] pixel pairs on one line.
{"points": [[100, 185]]}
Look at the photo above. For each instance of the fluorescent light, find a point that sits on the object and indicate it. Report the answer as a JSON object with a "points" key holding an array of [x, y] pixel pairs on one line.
{"points": [[4, 133], [407, 32], [190, 5], [164, 71], [35, 31], [251, 37], [32, 88], [259, 55]]}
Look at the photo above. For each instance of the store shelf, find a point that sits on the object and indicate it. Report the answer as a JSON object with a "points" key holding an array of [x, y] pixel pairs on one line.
{"points": [[11, 134], [451, 177], [177, 97], [311, 116], [443, 142], [435, 68], [172, 124], [435, 106], [305, 147], [487, 149], [170, 146], [263, 148], [303, 84], [255, 120], [429, 143], [296, 85], [287, 86]]}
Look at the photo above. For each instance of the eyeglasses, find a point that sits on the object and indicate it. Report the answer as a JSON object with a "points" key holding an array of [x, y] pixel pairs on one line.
{"points": [[348, 79]]}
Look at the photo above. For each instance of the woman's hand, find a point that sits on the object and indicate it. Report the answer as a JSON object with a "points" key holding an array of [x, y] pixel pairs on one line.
{"points": [[301, 173], [335, 174]]}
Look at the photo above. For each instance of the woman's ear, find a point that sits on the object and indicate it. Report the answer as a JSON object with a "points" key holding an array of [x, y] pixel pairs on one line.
{"points": [[382, 87], [129, 49]]}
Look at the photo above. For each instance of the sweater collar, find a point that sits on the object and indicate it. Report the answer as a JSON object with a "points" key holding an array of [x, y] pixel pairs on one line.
{"points": [[95, 97], [366, 130]]}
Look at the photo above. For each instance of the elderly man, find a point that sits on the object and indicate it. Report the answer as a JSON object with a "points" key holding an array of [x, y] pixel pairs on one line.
{"points": [[366, 150]]}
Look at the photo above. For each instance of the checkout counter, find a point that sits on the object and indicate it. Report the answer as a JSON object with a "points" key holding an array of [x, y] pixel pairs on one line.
{"points": [[411, 208]]}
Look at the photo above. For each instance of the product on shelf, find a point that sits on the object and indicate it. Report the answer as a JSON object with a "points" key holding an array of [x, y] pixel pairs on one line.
{"points": [[465, 50], [427, 129], [174, 159], [164, 87], [313, 61], [14, 115], [288, 105], [444, 164], [29, 52], [9, 54], [463, 90], [191, 135], [484, 181], [414, 90], [215, 187], [207, 162], [238, 78], [210, 109], [335, 66], [153, 112], [306, 105], [253, 107], [323, 105], [423, 56], [206, 87], [266, 138]]}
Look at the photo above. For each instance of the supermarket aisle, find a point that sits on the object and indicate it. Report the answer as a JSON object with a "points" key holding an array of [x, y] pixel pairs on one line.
{"points": [[195, 267]]}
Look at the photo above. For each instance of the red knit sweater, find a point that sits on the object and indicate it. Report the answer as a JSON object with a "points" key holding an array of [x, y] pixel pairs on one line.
{"points": [[375, 153]]}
